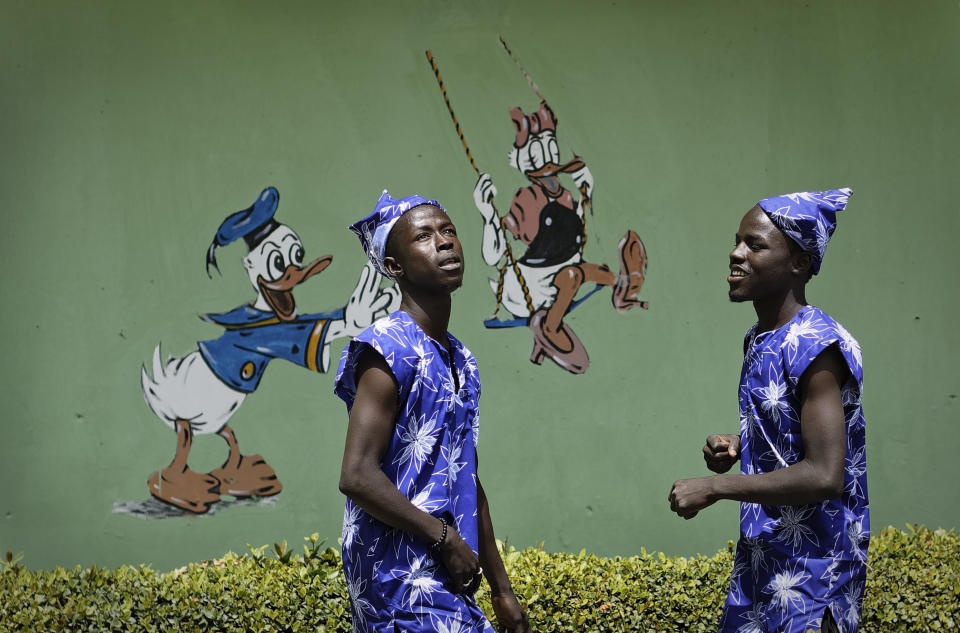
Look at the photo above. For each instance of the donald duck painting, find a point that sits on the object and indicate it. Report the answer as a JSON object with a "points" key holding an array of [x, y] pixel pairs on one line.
{"points": [[199, 393]]}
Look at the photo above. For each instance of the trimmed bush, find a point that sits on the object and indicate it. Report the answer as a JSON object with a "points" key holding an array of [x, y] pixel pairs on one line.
{"points": [[913, 585]]}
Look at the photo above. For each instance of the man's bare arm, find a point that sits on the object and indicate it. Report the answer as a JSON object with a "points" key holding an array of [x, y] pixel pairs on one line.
{"points": [[818, 476], [490, 559], [508, 610]]}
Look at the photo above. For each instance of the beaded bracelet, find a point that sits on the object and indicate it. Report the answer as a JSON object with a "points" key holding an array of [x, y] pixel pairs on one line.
{"points": [[443, 535]]}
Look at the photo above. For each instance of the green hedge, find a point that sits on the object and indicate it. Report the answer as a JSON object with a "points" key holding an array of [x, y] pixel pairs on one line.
{"points": [[913, 585]]}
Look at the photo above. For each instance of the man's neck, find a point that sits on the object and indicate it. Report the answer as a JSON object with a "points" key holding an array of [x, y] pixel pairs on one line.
{"points": [[430, 312], [774, 312]]}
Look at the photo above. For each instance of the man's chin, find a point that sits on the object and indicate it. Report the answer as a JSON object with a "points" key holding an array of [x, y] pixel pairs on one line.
{"points": [[454, 281]]}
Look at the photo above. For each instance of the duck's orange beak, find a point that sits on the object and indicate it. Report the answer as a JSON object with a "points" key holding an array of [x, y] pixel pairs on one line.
{"points": [[279, 293], [546, 176]]}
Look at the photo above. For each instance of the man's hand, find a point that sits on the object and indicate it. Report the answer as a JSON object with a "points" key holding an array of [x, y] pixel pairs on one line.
{"points": [[689, 496], [483, 195], [510, 614], [721, 452], [461, 562]]}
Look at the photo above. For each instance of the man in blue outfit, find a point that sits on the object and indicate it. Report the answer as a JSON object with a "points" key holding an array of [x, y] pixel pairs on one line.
{"points": [[417, 535], [804, 518]]}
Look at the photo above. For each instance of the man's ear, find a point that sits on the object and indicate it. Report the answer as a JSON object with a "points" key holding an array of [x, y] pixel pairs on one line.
{"points": [[393, 267], [802, 264]]}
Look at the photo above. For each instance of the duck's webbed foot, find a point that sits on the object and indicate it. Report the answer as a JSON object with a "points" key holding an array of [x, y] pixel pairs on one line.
{"points": [[249, 476], [184, 488]]}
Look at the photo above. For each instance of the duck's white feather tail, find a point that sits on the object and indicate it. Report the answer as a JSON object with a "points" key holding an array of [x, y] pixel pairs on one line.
{"points": [[186, 389]]}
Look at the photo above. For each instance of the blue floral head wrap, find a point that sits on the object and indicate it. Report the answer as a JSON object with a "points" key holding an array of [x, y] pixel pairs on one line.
{"points": [[374, 229], [809, 218]]}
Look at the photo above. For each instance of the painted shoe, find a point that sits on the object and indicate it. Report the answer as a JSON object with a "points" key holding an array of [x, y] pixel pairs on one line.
{"points": [[574, 361], [633, 268], [185, 489], [252, 476]]}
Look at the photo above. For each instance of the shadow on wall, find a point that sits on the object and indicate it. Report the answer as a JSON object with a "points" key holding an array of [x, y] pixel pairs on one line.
{"points": [[152, 508]]}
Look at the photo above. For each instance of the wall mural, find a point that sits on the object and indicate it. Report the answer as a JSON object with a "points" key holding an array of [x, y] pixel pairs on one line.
{"points": [[197, 394], [539, 287]]}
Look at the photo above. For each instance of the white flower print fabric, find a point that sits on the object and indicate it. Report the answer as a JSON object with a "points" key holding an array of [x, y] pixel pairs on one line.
{"points": [[393, 578], [793, 562], [809, 218]]}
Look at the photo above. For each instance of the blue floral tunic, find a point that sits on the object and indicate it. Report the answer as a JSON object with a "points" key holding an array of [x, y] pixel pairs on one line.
{"points": [[395, 584], [792, 562]]}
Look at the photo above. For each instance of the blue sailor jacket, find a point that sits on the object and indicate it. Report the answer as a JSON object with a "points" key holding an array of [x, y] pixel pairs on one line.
{"points": [[253, 338]]}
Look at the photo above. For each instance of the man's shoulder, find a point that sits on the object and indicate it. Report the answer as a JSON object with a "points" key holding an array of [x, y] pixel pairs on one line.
{"points": [[459, 346], [825, 324], [817, 313], [812, 332], [393, 327], [395, 337]]}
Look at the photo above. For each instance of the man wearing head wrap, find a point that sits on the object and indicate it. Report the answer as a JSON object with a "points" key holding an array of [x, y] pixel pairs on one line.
{"points": [[417, 535], [804, 517]]}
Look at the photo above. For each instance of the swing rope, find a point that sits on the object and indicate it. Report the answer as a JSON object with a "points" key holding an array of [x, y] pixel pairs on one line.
{"points": [[508, 252]]}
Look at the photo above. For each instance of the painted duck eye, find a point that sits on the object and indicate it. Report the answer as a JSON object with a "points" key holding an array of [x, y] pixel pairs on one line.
{"points": [[296, 254], [554, 151], [275, 265], [536, 154]]}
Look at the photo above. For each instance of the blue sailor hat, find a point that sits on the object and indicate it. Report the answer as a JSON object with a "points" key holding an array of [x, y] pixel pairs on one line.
{"points": [[253, 224]]}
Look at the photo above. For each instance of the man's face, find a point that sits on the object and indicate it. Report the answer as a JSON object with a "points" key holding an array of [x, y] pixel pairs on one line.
{"points": [[424, 250], [761, 263]]}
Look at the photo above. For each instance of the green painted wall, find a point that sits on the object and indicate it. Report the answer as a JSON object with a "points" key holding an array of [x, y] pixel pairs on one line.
{"points": [[131, 129]]}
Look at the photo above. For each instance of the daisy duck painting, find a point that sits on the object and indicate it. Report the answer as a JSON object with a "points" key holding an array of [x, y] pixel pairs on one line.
{"points": [[198, 393], [540, 286]]}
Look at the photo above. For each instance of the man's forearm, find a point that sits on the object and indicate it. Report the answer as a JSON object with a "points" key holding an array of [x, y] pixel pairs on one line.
{"points": [[797, 484], [379, 497], [490, 559]]}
